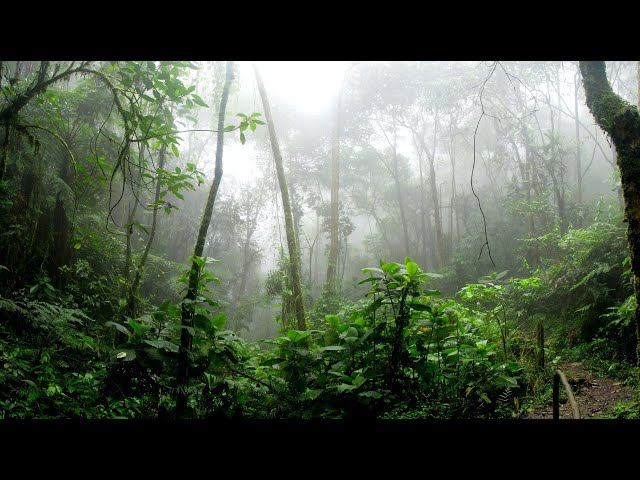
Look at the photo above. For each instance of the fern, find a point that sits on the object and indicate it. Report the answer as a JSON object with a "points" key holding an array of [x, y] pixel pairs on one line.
{"points": [[505, 397], [48, 314]]}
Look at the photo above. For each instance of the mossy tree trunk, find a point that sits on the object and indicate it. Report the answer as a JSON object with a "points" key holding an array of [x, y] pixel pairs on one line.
{"points": [[292, 237], [578, 157], [622, 122], [186, 338]]}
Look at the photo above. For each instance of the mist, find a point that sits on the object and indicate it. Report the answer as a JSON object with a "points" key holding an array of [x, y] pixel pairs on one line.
{"points": [[126, 206]]}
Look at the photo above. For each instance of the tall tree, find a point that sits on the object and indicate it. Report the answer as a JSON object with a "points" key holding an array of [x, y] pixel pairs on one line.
{"points": [[622, 122], [186, 338], [334, 246], [292, 237]]}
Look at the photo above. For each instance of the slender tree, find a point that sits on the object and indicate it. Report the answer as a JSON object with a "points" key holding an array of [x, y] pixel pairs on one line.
{"points": [[292, 237], [186, 338], [622, 122], [334, 246]]}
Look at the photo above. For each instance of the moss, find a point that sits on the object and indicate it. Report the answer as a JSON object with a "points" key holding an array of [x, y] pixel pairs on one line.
{"points": [[622, 122]]}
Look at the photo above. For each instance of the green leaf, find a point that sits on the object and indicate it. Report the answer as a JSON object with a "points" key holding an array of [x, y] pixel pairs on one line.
{"points": [[199, 100], [484, 397], [430, 293], [412, 268], [332, 348], [332, 320], [372, 269], [270, 362], [201, 321], [241, 115], [252, 125], [163, 344], [116, 356], [258, 122], [297, 335], [312, 394], [140, 227], [190, 330], [229, 128], [120, 328], [242, 138], [421, 307], [390, 268], [77, 246], [219, 321], [174, 149], [359, 380], [344, 387], [371, 394]]}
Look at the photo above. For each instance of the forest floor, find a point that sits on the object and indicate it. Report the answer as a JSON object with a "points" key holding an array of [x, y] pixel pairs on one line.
{"points": [[596, 397]]}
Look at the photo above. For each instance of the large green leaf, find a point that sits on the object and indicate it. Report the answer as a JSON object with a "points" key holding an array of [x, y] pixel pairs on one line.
{"points": [[297, 335], [412, 268], [199, 101], [120, 328], [163, 344], [219, 320], [122, 355]]}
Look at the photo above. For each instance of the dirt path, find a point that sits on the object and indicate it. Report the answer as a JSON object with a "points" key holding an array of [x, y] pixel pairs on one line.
{"points": [[596, 397]]}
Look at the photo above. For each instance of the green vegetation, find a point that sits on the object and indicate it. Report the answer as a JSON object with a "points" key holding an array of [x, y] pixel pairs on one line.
{"points": [[108, 311]]}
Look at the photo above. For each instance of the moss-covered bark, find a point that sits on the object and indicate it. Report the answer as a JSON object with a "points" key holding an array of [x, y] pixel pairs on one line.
{"points": [[292, 237], [182, 377], [622, 122]]}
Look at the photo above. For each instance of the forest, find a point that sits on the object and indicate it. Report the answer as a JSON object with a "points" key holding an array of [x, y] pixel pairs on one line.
{"points": [[401, 240]]}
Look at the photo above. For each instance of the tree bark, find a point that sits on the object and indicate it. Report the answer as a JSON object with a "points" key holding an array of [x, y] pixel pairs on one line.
{"points": [[292, 237], [578, 158], [437, 218], [334, 246], [182, 377], [622, 122], [638, 78]]}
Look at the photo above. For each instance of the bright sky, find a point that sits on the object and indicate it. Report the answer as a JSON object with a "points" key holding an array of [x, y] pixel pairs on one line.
{"points": [[311, 87]]}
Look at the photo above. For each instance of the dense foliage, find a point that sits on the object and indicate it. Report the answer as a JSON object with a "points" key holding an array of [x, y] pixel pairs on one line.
{"points": [[102, 187]]}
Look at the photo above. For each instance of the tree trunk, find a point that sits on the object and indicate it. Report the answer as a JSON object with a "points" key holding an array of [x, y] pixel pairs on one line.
{"points": [[182, 377], [622, 122], [638, 78], [334, 248], [578, 158], [440, 247], [423, 226], [292, 237]]}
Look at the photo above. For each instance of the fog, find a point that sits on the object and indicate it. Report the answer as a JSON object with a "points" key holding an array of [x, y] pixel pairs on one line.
{"points": [[306, 239], [527, 133], [408, 136]]}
